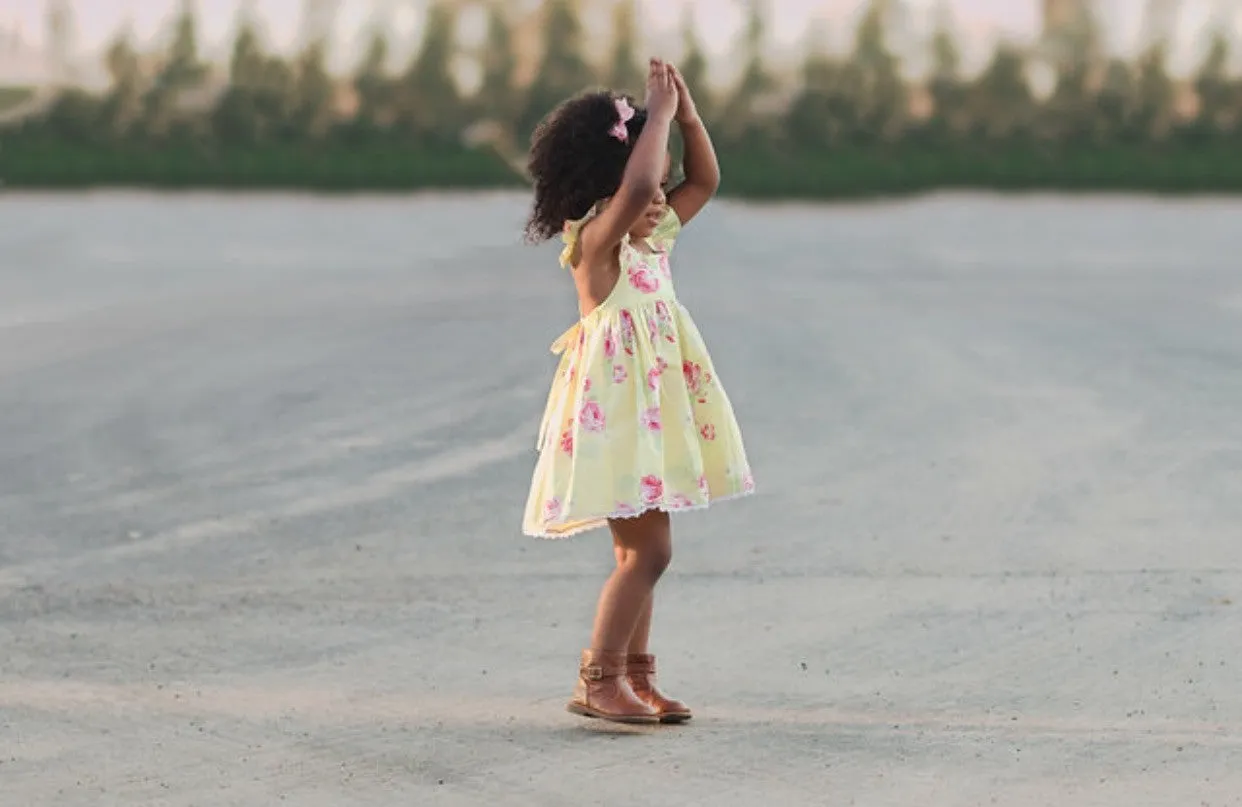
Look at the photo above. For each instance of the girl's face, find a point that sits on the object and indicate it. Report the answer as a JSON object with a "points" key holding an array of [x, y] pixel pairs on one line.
{"points": [[646, 225]]}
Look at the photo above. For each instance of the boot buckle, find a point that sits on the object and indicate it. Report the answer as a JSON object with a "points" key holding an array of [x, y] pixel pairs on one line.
{"points": [[593, 672]]}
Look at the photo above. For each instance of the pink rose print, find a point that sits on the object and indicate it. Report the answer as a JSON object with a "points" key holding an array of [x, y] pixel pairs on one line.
{"points": [[591, 417], [552, 509], [650, 418], [681, 501], [618, 374], [586, 385], [708, 431], [696, 379], [643, 280], [665, 269], [652, 333], [693, 374], [665, 321], [624, 510], [748, 483], [653, 375], [703, 486], [567, 441], [627, 332], [610, 343], [651, 488]]}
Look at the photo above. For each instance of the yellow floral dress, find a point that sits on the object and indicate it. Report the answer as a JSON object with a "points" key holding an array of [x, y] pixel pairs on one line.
{"points": [[637, 418]]}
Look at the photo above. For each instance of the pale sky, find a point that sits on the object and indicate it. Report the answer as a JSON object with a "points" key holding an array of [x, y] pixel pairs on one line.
{"points": [[719, 19], [979, 21]]}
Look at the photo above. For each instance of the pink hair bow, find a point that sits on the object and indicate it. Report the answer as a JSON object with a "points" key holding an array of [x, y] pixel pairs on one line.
{"points": [[626, 113]]}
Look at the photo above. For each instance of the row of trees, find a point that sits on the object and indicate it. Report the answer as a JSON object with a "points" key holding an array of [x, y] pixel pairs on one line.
{"points": [[859, 100]]}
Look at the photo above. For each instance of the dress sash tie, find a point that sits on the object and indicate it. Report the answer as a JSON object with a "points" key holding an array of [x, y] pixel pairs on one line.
{"points": [[558, 395]]}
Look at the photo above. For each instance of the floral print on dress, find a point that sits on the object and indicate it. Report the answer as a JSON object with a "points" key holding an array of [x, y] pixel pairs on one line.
{"points": [[651, 489], [664, 322], [635, 419], [627, 332], [610, 343], [654, 373], [643, 280], [697, 380], [591, 417]]}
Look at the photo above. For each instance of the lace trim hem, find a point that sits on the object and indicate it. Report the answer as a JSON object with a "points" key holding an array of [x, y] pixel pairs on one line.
{"points": [[600, 521]]}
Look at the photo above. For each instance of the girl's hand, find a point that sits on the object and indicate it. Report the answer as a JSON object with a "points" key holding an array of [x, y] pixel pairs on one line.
{"points": [[686, 110], [661, 91]]}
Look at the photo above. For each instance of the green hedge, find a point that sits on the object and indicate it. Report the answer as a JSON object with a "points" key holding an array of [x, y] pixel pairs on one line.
{"points": [[33, 164], [763, 174]]}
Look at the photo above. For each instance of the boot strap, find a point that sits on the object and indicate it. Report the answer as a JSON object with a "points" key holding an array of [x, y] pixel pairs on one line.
{"points": [[598, 669], [639, 664]]}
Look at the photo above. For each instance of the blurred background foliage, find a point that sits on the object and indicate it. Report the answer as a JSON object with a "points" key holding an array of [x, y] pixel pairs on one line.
{"points": [[1058, 113]]}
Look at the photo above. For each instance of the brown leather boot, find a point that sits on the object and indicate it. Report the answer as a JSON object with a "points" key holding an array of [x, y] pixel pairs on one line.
{"points": [[641, 670], [602, 691]]}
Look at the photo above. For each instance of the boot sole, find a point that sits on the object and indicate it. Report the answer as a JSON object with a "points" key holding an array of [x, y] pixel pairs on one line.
{"points": [[675, 717], [587, 711]]}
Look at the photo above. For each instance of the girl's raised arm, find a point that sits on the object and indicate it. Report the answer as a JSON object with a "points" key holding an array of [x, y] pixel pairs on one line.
{"points": [[700, 164], [643, 171]]}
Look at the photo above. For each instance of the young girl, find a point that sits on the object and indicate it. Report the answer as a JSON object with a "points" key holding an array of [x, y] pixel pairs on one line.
{"points": [[637, 424]]}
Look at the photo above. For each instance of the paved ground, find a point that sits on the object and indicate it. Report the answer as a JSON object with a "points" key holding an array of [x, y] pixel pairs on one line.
{"points": [[263, 464]]}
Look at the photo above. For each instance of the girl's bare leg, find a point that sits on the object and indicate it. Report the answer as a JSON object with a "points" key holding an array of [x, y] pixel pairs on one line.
{"points": [[642, 628], [644, 549], [641, 665], [604, 689]]}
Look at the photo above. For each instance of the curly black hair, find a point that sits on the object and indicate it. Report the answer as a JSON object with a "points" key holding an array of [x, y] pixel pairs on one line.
{"points": [[574, 162]]}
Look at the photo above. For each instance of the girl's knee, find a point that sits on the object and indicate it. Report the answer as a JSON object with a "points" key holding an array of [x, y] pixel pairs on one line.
{"points": [[662, 556], [653, 558], [644, 544]]}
